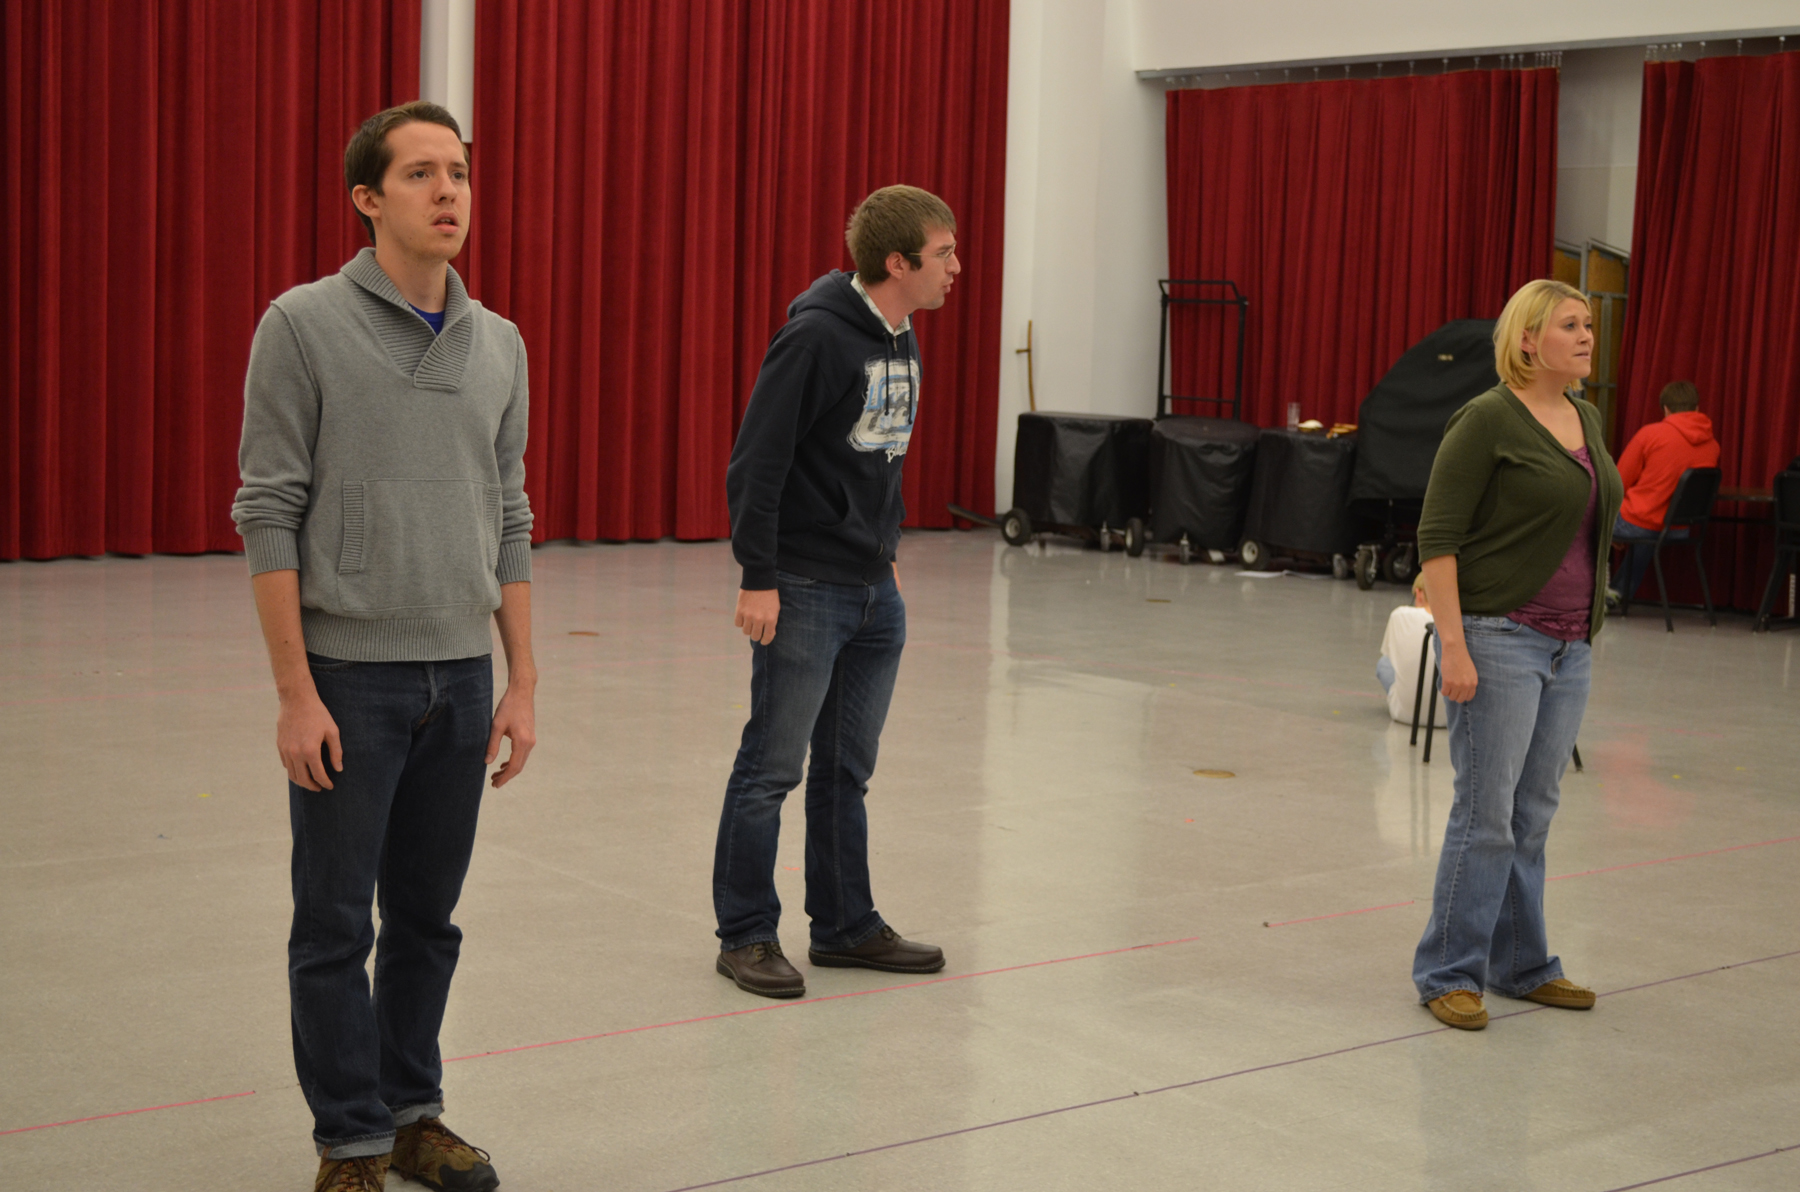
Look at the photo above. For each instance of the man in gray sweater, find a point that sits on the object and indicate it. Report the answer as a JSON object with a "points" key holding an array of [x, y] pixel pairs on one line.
{"points": [[384, 515]]}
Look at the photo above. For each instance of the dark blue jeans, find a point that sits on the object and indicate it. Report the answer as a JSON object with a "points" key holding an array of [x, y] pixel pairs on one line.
{"points": [[1639, 544], [825, 681], [396, 830]]}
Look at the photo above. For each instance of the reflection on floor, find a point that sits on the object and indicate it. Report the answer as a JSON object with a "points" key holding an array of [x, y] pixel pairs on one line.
{"points": [[1158, 979]]}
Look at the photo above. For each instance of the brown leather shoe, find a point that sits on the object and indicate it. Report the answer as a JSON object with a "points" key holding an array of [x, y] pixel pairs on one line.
{"points": [[1562, 993], [365, 1173], [1460, 1008], [885, 950], [762, 969], [430, 1152]]}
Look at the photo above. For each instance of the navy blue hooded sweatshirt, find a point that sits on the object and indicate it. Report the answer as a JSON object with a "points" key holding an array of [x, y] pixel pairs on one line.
{"points": [[814, 480]]}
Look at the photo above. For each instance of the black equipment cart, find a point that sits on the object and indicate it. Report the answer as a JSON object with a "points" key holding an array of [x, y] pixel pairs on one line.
{"points": [[1190, 292], [1200, 475], [1299, 500], [1399, 426], [1080, 474]]}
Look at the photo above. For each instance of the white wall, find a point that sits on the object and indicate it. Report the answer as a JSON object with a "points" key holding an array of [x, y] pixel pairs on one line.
{"points": [[1086, 236], [1601, 99], [1177, 33]]}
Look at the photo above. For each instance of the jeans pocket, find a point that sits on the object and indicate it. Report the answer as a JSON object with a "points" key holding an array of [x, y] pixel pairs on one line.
{"points": [[788, 579], [321, 665], [1491, 625]]}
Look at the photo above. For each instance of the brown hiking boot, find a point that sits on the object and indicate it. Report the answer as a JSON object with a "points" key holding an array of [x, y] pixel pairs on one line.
{"points": [[1460, 1008], [365, 1173], [762, 969], [428, 1151], [1562, 993]]}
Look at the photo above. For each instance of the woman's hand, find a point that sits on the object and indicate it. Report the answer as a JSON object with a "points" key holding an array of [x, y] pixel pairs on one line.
{"points": [[1458, 672]]}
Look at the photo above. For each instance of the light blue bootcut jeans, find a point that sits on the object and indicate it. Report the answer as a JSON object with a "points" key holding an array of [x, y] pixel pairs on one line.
{"points": [[825, 683], [1509, 746]]}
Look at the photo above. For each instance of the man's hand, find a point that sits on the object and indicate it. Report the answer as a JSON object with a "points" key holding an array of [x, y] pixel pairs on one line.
{"points": [[302, 731], [757, 613], [1458, 672], [896, 566], [304, 727], [516, 718]]}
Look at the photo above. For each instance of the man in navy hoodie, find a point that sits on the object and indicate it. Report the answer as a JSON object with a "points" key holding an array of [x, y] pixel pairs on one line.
{"points": [[814, 487]]}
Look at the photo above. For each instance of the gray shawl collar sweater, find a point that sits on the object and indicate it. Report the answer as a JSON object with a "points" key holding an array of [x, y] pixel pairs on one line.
{"points": [[386, 465]]}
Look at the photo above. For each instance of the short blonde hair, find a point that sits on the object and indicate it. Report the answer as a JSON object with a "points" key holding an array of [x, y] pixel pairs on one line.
{"points": [[1528, 310]]}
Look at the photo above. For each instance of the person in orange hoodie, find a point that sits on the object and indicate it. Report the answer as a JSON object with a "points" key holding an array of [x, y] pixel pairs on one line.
{"points": [[1653, 461]]}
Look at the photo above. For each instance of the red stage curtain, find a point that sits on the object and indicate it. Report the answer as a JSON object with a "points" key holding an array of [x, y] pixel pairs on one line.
{"points": [[1357, 216], [172, 165], [656, 179], [1715, 283]]}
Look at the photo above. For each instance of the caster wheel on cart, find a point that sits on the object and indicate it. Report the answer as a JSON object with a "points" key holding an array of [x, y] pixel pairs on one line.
{"points": [[1104, 535], [1364, 567], [1015, 527], [1187, 551], [1134, 537], [1340, 567], [1253, 554], [1403, 564]]}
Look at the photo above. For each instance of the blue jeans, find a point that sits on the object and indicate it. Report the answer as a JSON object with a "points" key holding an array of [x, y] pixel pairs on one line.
{"points": [[396, 830], [1640, 544], [1509, 745], [826, 680]]}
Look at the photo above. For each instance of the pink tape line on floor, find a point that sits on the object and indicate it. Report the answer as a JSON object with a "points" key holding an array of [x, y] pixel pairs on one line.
{"points": [[100, 1117], [815, 1001], [1188, 1084], [1711, 852], [1780, 1150]]}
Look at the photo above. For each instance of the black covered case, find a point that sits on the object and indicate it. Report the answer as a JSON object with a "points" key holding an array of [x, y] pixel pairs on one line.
{"points": [[1081, 469], [1200, 476], [1300, 498], [1401, 422]]}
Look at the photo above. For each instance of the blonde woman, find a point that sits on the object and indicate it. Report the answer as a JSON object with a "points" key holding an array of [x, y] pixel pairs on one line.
{"points": [[1514, 536]]}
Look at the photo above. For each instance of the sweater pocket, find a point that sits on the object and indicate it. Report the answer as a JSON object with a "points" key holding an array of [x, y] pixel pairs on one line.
{"points": [[419, 547]]}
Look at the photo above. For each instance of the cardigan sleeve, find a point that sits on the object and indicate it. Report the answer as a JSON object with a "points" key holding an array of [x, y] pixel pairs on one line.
{"points": [[1459, 476]]}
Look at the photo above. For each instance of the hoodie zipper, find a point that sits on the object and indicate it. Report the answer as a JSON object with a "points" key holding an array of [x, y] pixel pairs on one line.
{"points": [[891, 475]]}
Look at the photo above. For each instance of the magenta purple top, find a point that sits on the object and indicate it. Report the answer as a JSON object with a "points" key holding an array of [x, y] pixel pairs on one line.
{"points": [[1562, 607]]}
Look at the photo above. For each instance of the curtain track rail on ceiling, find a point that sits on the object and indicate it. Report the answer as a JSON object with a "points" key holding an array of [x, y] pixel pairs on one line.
{"points": [[1441, 61]]}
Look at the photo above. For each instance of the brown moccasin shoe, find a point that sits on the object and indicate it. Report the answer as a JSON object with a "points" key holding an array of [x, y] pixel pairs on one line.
{"points": [[762, 969], [1460, 1008], [365, 1173], [1562, 993], [885, 950], [430, 1152]]}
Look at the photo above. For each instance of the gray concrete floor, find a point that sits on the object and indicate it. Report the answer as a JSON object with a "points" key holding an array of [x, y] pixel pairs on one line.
{"points": [[1157, 979]]}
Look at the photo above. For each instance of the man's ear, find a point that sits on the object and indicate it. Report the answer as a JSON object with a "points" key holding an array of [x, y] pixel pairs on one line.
{"points": [[897, 264], [366, 200]]}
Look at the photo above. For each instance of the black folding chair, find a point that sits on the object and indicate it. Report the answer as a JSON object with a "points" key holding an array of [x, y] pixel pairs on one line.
{"points": [[1787, 543], [1431, 716], [1419, 694], [1690, 506]]}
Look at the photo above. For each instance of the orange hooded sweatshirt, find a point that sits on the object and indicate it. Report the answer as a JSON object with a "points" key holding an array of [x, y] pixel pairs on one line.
{"points": [[1655, 459]]}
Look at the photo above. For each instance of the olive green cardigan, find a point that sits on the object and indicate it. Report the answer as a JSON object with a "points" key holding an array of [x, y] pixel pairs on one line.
{"points": [[1506, 499]]}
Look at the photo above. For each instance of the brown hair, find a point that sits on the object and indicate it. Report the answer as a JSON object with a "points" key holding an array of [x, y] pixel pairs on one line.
{"points": [[1528, 310], [893, 219], [1680, 396], [368, 156]]}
